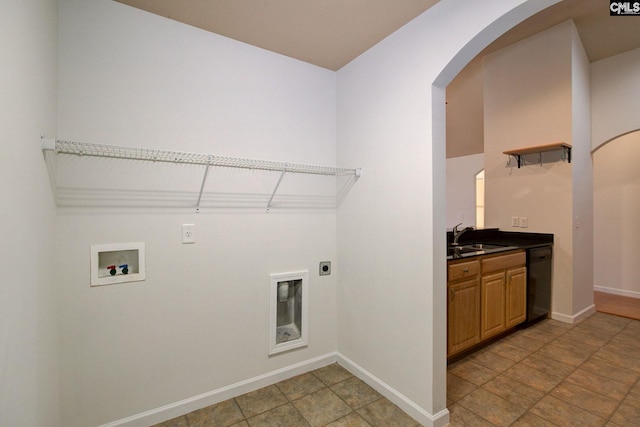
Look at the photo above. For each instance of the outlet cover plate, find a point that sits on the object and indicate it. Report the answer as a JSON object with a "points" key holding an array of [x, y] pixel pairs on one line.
{"points": [[188, 233], [325, 268]]}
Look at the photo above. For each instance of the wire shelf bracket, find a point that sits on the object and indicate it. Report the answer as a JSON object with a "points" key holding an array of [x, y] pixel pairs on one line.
{"points": [[54, 146], [284, 170]]}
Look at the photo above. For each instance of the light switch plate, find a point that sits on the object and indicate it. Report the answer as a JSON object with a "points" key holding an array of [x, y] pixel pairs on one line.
{"points": [[524, 222], [515, 221]]}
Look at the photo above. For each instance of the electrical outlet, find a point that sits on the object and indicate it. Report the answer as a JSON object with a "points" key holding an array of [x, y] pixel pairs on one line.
{"points": [[325, 268], [524, 222], [515, 221], [188, 233]]}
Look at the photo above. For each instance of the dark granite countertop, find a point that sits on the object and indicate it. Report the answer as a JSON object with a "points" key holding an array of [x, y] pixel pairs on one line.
{"points": [[504, 240]]}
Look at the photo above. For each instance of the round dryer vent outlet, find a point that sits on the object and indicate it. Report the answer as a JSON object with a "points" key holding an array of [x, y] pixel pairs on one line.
{"points": [[325, 268]]}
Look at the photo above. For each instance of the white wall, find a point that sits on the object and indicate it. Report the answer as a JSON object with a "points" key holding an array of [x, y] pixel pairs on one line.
{"points": [[528, 102], [465, 124], [391, 230], [615, 97], [200, 320], [615, 90], [461, 189], [616, 209], [140, 80], [28, 294], [582, 176]]}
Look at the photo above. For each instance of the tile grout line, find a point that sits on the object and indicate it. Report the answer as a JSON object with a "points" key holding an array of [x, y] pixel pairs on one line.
{"points": [[620, 402], [563, 378], [578, 367], [480, 386], [325, 387], [549, 393], [290, 402], [635, 384], [546, 393], [603, 329], [329, 388], [608, 340], [353, 411]]}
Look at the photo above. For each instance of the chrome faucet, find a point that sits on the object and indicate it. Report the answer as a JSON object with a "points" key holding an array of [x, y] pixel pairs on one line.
{"points": [[457, 233]]}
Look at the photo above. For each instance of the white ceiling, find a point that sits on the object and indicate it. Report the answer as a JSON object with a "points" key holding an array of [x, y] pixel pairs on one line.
{"points": [[330, 33]]}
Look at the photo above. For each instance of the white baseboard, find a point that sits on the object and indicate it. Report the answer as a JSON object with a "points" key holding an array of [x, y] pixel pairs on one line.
{"points": [[194, 403], [582, 314], [614, 291], [440, 419]]}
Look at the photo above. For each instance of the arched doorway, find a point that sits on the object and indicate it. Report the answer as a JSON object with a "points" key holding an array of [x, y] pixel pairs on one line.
{"points": [[464, 56], [616, 208], [391, 244]]}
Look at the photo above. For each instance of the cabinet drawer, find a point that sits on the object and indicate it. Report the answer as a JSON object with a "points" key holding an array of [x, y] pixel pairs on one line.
{"points": [[501, 262], [463, 269]]}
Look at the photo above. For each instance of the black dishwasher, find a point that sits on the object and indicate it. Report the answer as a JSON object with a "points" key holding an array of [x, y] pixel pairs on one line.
{"points": [[539, 261]]}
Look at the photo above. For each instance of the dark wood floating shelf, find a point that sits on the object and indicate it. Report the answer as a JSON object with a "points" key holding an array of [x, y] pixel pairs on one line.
{"points": [[540, 149]]}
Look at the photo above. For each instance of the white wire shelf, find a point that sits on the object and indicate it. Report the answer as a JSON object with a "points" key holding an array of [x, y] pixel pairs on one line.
{"points": [[178, 157], [155, 155]]}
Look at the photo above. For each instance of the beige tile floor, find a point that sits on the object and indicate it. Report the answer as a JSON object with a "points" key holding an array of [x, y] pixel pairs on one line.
{"points": [[329, 396], [552, 374]]}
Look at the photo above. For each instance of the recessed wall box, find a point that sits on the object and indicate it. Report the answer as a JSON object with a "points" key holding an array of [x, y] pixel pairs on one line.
{"points": [[117, 263], [288, 302], [325, 268]]}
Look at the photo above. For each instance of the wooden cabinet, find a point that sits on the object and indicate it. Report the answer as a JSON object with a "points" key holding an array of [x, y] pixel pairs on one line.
{"points": [[486, 296], [463, 311], [492, 299], [503, 292], [516, 298], [463, 306]]}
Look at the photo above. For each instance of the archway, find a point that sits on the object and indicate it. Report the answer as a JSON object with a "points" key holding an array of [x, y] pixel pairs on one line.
{"points": [[391, 240], [459, 61], [616, 207]]}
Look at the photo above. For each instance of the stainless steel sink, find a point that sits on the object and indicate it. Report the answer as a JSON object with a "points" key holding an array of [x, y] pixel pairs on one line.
{"points": [[457, 251], [475, 248], [463, 249], [480, 246]]}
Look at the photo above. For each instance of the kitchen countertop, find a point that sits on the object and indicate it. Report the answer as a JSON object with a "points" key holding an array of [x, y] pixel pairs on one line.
{"points": [[504, 240], [456, 253]]}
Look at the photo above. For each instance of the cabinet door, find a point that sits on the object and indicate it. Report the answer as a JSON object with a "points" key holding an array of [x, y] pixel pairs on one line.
{"points": [[516, 304], [492, 305], [463, 312]]}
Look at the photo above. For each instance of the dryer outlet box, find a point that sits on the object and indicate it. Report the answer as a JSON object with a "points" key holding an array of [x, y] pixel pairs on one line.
{"points": [[325, 268]]}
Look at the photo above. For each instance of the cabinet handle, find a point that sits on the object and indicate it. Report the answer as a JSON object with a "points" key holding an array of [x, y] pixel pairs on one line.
{"points": [[466, 269], [453, 294]]}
